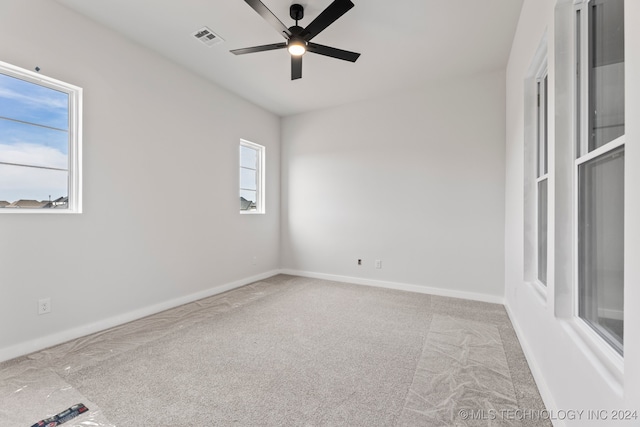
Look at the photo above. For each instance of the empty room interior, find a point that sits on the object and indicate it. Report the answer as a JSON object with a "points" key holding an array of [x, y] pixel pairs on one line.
{"points": [[319, 212]]}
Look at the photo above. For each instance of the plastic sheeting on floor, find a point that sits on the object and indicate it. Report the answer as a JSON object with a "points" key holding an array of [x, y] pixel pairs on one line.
{"points": [[33, 387], [285, 351]]}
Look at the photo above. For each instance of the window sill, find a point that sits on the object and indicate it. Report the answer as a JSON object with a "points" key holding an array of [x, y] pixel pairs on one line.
{"points": [[11, 211], [606, 361], [540, 291], [251, 213]]}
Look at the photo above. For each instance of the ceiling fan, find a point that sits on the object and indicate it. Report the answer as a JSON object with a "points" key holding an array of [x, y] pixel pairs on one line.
{"points": [[298, 38]]}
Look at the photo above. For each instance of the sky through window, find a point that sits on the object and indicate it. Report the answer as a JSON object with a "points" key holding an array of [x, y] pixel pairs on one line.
{"points": [[34, 141]]}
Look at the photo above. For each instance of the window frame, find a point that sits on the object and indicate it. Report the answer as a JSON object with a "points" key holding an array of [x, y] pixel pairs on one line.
{"points": [[582, 156], [260, 175], [74, 179], [541, 163], [533, 134]]}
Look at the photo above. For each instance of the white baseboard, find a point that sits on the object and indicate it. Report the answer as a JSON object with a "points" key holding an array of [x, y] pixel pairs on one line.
{"points": [[543, 388], [399, 286], [38, 344]]}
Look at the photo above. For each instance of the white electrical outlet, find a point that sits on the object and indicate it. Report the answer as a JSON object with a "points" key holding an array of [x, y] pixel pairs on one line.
{"points": [[44, 306], [254, 260], [378, 263]]}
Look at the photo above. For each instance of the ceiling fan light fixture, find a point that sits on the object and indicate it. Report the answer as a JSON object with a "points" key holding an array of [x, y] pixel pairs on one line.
{"points": [[298, 39], [297, 47]]}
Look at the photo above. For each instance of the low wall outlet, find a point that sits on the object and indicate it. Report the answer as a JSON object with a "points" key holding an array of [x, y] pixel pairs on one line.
{"points": [[359, 262], [254, 260], [378, 263], [44, 306]]}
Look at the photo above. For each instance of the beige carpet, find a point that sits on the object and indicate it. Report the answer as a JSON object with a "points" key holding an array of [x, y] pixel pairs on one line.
{"points": [[286, 351]]}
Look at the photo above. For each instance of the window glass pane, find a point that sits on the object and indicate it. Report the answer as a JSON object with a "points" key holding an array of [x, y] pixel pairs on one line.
{"points": [[29, 102], [578, 87], [542, 231], [251, 177], [248, 179], [539, 153], [545, 119], [606, 71], [31, 184], [601, 245], [542, 118], [248, 157], [33, 145], [248, 200]]}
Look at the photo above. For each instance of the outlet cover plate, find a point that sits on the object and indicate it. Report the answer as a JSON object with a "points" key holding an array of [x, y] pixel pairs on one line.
{"points": [[44, 306]]}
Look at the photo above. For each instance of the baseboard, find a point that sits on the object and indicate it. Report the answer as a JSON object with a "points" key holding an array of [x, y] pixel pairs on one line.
{"points": [[543, 388], [38, 344], [399, 286]]}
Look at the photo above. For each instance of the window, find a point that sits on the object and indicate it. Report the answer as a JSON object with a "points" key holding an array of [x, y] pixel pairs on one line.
{"points": [[536, 170], [251, 177], [542, 142], [599, 168], [39, 143]]}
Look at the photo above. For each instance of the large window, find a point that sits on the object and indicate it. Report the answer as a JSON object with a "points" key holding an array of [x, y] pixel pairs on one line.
{"points": [[599, 167], [251, 177], [39, 143]]}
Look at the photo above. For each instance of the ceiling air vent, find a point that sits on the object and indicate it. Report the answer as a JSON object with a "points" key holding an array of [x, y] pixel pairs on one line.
{"points": [[208, 37]]}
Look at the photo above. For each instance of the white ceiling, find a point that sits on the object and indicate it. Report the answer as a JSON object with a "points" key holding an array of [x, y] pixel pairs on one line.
{"points": [[403, 44]]}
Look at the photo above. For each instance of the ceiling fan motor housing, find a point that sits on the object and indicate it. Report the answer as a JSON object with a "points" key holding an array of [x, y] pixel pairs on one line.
{"points": [[296, 30]]}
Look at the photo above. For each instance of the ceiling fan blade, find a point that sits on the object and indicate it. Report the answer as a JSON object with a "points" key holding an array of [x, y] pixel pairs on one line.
{"points": [[268, 16], [328, 16], [258, 48], [345, 55], [296, 67]]}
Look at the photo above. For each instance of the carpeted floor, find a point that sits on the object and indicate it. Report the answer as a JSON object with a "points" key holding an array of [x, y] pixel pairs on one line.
{"points": [[286, 351]]}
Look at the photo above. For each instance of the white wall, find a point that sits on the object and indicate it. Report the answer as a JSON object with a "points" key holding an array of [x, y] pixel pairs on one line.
{"points": [[413, 179], [570, 370], [161, 222]]}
